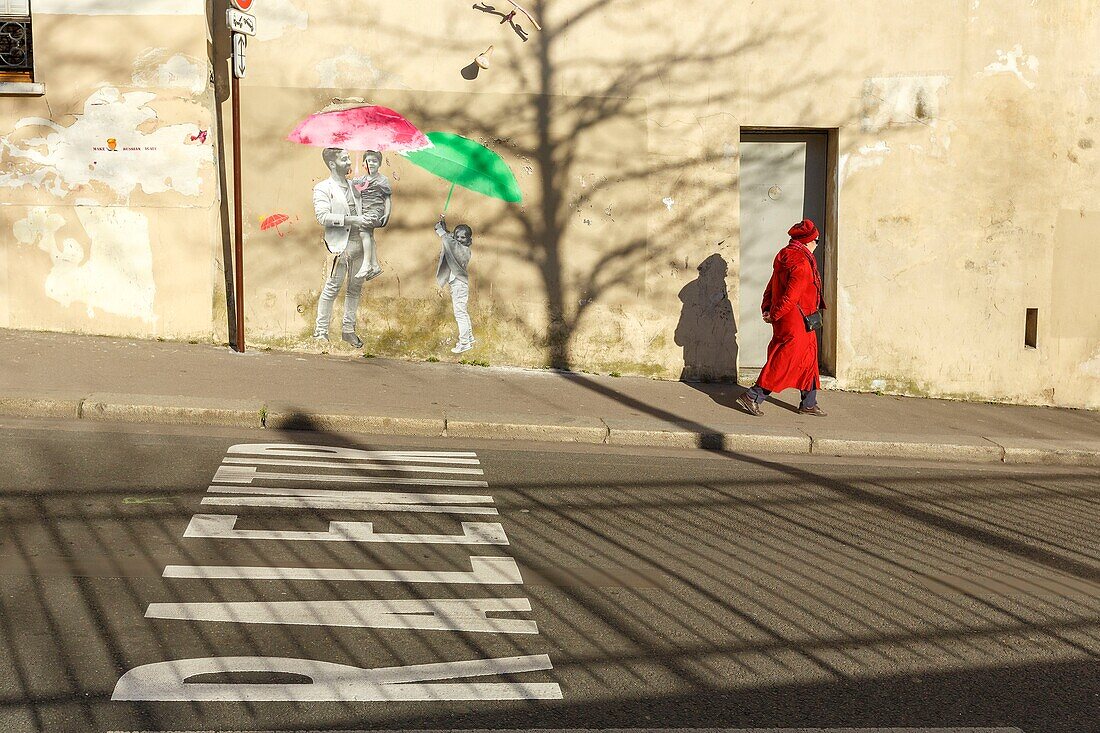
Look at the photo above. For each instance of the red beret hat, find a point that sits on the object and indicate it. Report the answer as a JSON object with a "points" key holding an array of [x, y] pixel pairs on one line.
{"points": [[804, 232]]}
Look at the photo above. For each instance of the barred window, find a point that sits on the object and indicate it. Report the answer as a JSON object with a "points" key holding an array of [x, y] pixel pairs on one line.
{"points": [[16, 49]]}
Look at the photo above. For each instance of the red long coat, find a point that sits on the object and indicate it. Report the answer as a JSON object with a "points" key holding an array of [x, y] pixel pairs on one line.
{"points": [[792, 352]]}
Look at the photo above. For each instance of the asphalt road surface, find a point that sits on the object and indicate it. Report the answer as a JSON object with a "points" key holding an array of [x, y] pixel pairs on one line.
{"points": [[156, 578]]}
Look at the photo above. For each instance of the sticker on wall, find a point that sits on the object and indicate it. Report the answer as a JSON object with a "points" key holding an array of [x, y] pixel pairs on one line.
{"points": [[199, 137], [273, 222], [510, 17]]}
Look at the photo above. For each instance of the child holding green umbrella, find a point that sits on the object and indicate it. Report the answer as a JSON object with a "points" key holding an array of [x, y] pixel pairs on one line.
{"points": [[454, 258]]}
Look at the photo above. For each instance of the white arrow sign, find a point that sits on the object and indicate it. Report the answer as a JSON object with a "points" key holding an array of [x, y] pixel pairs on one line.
{"points": [[240, 43], [239, 22]]}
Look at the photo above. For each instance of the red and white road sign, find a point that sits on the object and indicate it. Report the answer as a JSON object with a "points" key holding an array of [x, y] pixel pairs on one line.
{"points": [[242, 5]]}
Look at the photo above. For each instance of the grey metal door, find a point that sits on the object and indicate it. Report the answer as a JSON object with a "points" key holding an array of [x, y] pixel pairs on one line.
{"points": [[783, 178]]}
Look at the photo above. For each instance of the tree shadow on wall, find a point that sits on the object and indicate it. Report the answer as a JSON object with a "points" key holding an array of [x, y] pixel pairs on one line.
{"points": [[707, 330], [612, 259]]}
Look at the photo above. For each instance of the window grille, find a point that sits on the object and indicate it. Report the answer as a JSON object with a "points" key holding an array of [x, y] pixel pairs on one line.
{"points": [[16, 46]]}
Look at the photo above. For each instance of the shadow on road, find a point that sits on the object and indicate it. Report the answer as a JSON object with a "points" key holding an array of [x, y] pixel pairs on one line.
{"points": [[750, 594]]}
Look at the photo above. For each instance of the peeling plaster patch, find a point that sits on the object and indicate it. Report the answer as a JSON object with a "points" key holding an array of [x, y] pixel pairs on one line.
{"points": [[119, 7], [115, 277], [353, 68], [154, 69], [669, 202], [941, 136], [67, 158], [901, 100], [939, 139], [1092, 366], [1014, 62], [278, 17], [868, 156], [844, 313]]}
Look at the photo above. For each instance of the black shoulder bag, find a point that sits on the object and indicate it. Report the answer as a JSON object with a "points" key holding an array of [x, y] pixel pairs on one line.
{"points": [[813, 320]]}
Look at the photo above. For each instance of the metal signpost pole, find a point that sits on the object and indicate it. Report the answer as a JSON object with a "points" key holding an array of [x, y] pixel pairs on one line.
{"points": [[242, 25], [238, 217]]}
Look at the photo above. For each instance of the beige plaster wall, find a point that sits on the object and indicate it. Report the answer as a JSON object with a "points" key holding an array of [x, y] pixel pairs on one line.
{"points": [[100, 241], [965, 192], [964, 138]]}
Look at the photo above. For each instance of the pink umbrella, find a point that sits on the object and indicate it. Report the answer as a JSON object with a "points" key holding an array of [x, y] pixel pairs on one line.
{"points": [[359, 127]]}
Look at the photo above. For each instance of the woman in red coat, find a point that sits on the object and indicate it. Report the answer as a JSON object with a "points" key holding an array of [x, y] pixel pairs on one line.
{"points": [[793, 292]]}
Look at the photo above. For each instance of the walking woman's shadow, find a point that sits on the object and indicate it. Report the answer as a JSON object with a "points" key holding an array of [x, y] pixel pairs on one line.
{"points": [[707, 330]]}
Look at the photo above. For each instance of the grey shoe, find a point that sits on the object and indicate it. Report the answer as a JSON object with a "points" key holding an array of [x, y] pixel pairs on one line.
{"points": [[749, 406], [352, 339], [320, 336]]}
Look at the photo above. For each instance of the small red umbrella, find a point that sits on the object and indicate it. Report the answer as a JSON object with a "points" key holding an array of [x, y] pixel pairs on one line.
{"points": [[359, 126], [274, 221]]}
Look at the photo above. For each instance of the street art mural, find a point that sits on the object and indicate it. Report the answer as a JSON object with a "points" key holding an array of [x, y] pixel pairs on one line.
{"points": [[454, 258], [273, 222], [481, 61], [350, 209], [339, 210], [509, 17], [377, 194], [471, 165], [355, 200]]}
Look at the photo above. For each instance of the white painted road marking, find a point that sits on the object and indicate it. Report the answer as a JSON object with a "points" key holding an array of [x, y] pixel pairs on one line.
{"points": [[466, 614], [485, 571], [380, 466], [382, 497], [167, 681], [673, 730], [248, 474], [221, 526], [310, 502], [328, 451]]}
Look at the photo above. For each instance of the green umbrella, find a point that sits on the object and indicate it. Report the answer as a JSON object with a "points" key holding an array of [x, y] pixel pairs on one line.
{"points": [[469, 164]]}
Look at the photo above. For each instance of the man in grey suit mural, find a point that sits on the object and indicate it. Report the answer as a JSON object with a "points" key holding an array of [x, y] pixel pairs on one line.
{"points": [[339, 209], [454, 256]]}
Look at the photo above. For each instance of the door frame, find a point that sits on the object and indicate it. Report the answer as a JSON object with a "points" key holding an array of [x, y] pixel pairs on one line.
{"points": [[827, 358]]}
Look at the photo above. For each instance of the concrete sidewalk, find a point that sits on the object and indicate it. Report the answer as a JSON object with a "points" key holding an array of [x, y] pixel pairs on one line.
{"points": [[95, 378]]}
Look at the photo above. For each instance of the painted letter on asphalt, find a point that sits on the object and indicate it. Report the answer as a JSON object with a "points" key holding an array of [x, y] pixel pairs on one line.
{"points": [[222, 527], [466, 614], [167, 681]]}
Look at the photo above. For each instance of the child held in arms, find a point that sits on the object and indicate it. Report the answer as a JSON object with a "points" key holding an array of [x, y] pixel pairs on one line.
{"points": [[376, 192]]}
